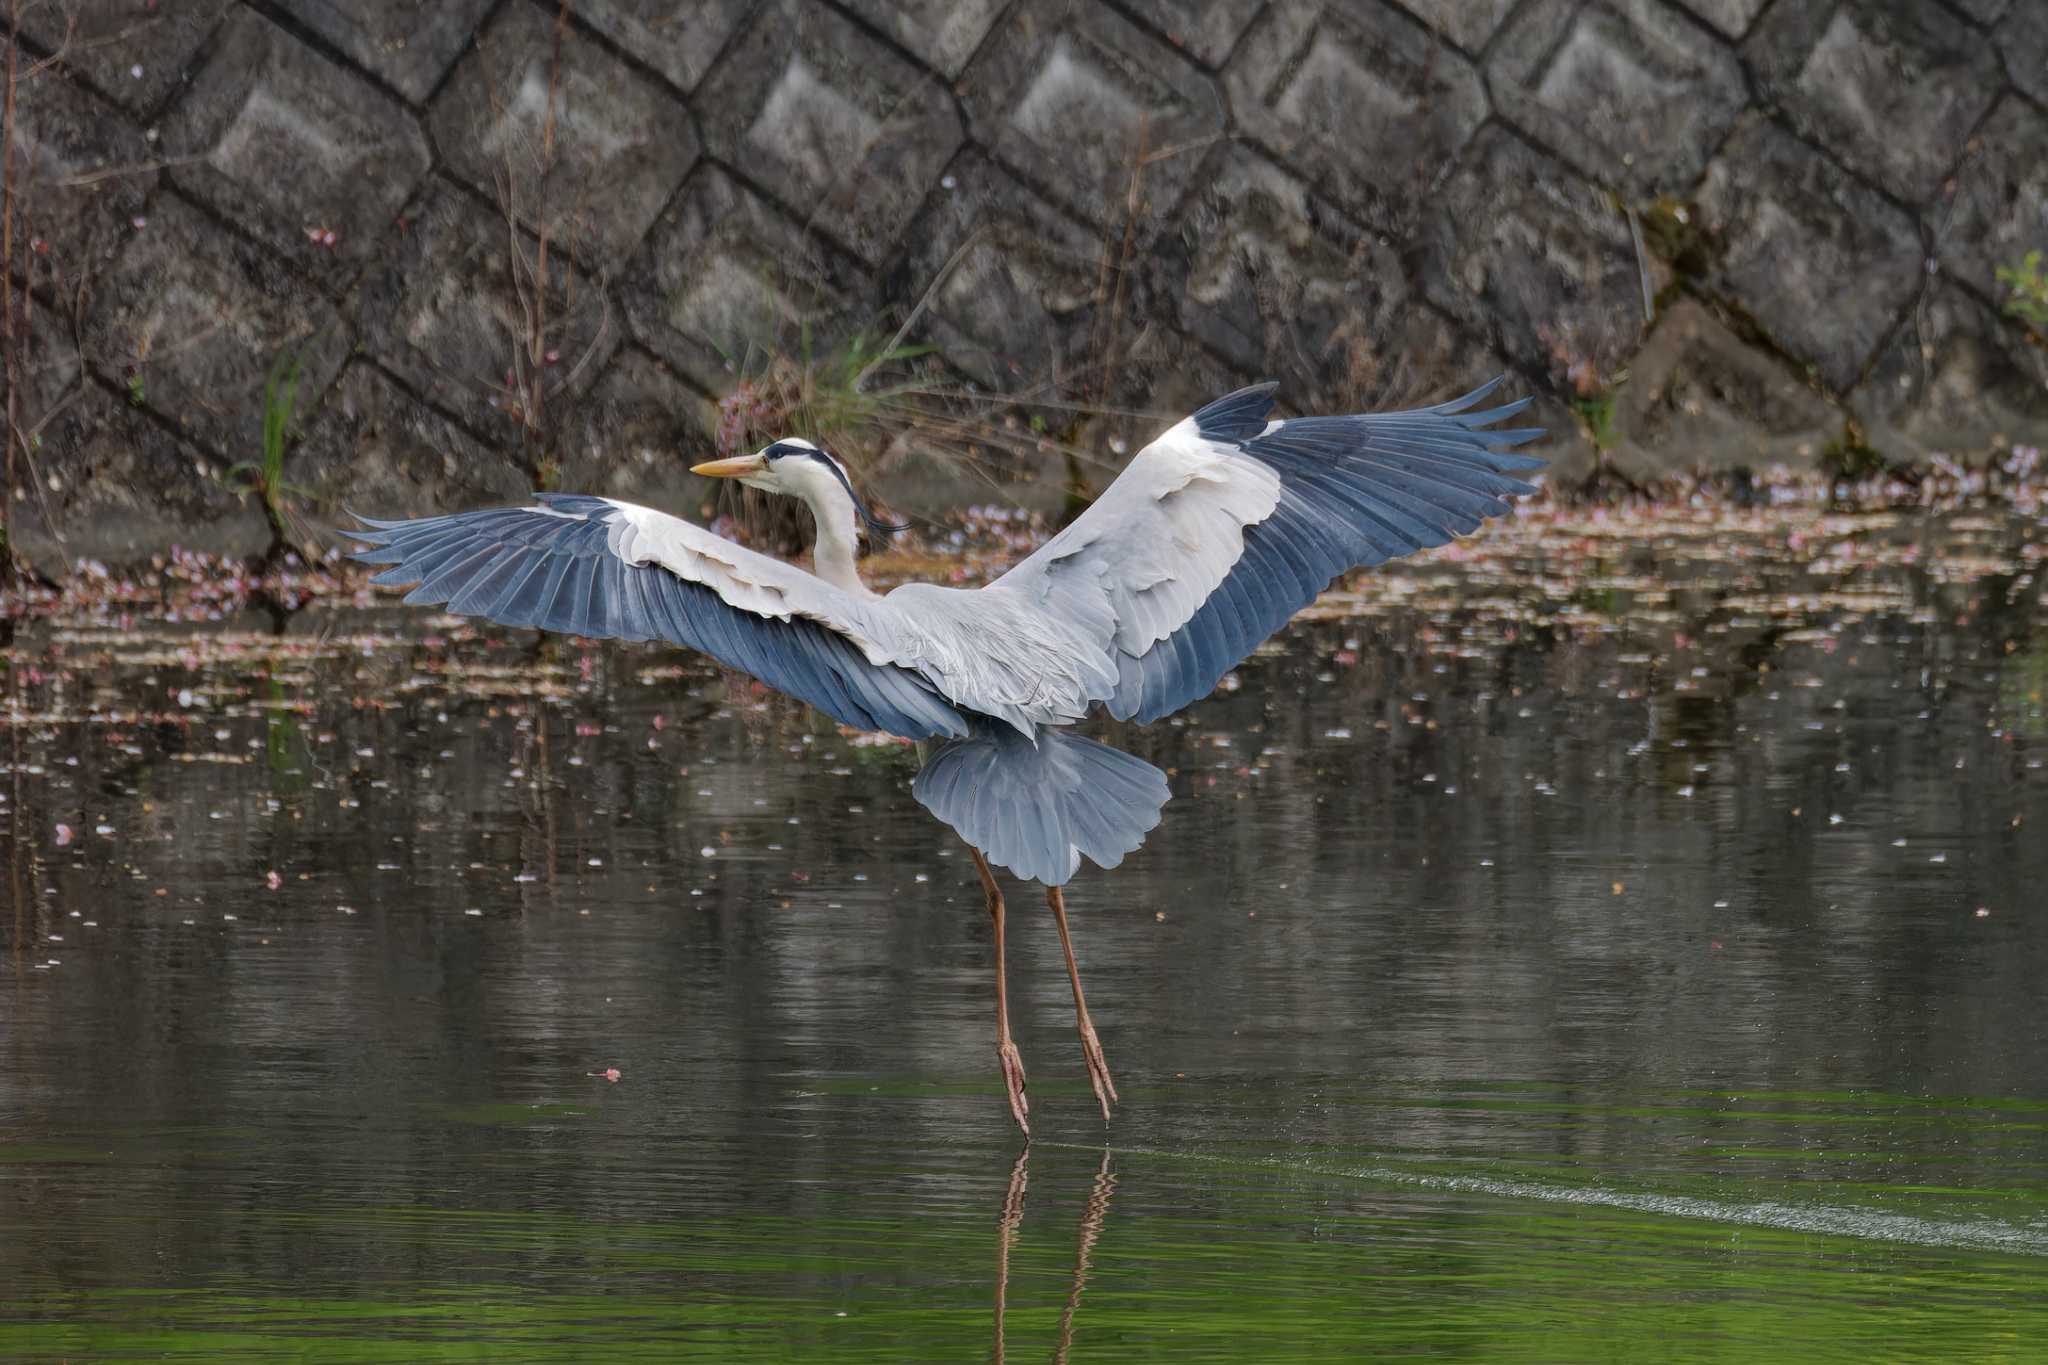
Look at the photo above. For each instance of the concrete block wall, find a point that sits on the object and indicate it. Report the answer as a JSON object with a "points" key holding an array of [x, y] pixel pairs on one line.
{"points": [[1710, 232]]}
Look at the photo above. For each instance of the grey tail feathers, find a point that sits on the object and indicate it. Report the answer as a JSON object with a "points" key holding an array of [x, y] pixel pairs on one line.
{"points": [[1036, 809]]}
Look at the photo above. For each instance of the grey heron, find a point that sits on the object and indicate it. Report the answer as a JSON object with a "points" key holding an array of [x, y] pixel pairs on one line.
{"points": [[1213, 537]]}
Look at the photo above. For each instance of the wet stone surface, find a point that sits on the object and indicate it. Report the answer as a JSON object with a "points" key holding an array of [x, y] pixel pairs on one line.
{"points": [[1470, 24], [726, 278], [1206, 30], [1856, 73], [1012, 279], [1731, 17], [102, 465], [409, 44], [87, 173], [451, 310], [1278, 282], [1999, 211], [1695, 380], [134, 52], [842, 130], [264, 100], [943, 33], [1082, 100], [96, 461], [620, 142], [1632, 95], [1520, 250], [635, 436], [680, 41], [191, 321], [1364, 101], [374, 448], [1819, 258], [2023, 39], [1953, 377], [1984, 11]]}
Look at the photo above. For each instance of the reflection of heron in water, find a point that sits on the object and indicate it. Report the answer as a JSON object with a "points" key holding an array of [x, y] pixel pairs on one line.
{"points": [[1216, 534], [1093, 1214]]}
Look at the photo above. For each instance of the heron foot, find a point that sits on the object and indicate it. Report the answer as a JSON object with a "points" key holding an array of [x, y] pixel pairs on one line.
{"points": [[1013, 1081], [1098, 1069]]}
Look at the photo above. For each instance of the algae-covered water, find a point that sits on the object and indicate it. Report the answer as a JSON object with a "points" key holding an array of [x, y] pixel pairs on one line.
{"points": [[1623, 952]]}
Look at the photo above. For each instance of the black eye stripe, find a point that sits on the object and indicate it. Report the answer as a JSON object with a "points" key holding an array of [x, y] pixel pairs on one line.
{"points": [[780, 449]]}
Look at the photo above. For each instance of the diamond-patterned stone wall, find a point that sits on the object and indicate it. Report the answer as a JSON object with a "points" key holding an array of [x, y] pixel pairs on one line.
{"points": [[1733, 227], [1631, 93], [1014, 280], [726, 276], [576, 143], [1891, 87], [1820, 258], [1362, 100], [1101, 115], [833, 121], [261, 101]]}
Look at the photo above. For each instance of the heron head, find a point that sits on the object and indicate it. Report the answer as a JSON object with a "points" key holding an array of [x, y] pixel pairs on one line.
{"points": [[795, 467]]}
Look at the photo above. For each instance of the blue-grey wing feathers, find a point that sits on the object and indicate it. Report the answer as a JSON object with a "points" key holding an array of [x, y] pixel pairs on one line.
{"points": [[553, 567], [1355, 491], [1218, 533]]}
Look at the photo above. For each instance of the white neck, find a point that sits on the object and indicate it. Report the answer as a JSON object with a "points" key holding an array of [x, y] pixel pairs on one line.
{"points": [[832, 557]]}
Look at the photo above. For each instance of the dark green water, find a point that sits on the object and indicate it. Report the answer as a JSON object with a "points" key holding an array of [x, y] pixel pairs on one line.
{"points": [[1523, 972]]}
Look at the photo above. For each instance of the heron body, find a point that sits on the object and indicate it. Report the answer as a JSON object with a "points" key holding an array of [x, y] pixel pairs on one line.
{"points": [[1213, 537]]}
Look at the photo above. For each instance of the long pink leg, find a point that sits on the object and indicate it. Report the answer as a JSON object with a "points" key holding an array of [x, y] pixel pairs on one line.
{"points": [[1006, 1051], [1091, 1046]]}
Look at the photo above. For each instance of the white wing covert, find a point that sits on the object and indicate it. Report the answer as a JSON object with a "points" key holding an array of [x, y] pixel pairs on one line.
{"points": [[1230, 523], [602, 569]]}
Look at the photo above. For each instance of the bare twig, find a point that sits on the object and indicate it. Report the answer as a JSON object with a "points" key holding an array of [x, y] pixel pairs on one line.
{"points": [[10, 339], [85, 178], [25, 440], [1635, 234], [1172, 150], [111, 38], [537, 334], [528, 268], [1133, 201], [945, 271], [590, 352], [63, 47], [518, 271]]}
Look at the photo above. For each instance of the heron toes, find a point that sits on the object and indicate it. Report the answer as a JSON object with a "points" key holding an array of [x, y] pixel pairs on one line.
{"points": [[1013, 1081], [1098, 1070]]}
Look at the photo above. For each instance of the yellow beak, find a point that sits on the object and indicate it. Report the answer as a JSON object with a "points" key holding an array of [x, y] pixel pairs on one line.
{"points": [[736, 468]]}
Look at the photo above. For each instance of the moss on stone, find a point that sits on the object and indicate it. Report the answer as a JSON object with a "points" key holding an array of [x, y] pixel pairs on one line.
{"points": [[1671, 229]]}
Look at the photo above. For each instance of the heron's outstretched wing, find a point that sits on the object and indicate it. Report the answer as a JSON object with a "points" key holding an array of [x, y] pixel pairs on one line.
{"points": [[1229, 523], [606, 569]]}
